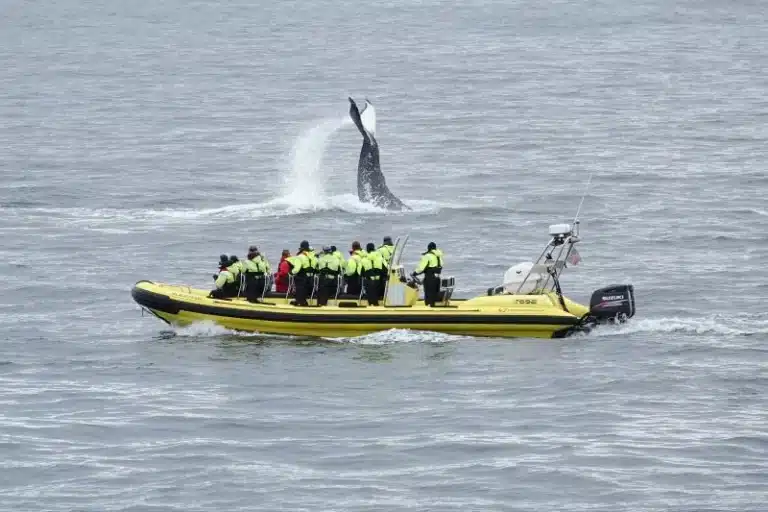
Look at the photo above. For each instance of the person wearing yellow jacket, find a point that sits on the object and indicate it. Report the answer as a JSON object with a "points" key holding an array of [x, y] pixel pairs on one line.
{"points": [[354, 271], [238, 272], [328, 268], [386, 250], [431, 265], [337, 253], [312, 261], [373, 265], [226, 285], [236, 265], [256, 271], [301, 267]]}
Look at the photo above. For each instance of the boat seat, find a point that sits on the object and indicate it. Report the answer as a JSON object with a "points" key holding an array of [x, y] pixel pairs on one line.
{"points": [[350, 304], [496, 290], [447, 285]]}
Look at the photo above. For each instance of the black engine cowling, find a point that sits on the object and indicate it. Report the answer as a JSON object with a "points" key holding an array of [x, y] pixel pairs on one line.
{"points": [[616, 302]]}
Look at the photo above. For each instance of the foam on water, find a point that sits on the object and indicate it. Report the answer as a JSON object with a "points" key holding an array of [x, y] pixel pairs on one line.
{"points": [[106, 219], [208, 329], [392, 336], [664, 325], [717, 325]]}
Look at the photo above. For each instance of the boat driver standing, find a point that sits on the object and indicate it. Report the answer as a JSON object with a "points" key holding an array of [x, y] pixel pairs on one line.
{"points": [[386, 250], [431, 265]]}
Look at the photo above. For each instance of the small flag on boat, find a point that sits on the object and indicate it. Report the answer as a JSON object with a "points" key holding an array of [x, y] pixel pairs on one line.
{"points": [[574, 257]]}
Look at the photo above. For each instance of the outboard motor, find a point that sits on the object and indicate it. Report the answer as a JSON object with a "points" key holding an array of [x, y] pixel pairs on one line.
{"points": [[616, 302]]}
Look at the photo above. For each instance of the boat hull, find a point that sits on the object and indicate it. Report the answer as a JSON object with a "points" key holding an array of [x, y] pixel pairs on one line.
{"points": [[503, 317]]}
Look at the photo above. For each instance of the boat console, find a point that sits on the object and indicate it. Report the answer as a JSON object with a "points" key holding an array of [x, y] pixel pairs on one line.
{"points": [[400, 291]]}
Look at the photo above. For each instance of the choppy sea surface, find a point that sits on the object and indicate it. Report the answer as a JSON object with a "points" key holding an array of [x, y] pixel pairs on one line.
{"points": [[139, 140]]}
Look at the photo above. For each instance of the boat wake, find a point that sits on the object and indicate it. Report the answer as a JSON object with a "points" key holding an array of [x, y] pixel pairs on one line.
{"points": [[396, 336], [207, 329], [713, 325], [718, 326]]}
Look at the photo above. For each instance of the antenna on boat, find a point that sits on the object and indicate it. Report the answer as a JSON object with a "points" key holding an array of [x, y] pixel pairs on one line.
{"points": [[578, 210]]}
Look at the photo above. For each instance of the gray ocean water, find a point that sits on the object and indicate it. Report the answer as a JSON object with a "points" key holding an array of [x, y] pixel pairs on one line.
{"points": [[139, 140]]}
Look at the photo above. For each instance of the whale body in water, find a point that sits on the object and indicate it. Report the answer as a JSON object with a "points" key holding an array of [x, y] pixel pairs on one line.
{"points": [[371, 185]]}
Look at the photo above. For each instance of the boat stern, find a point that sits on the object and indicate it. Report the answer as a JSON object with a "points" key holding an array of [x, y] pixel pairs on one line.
{"points": [[613, 304]]}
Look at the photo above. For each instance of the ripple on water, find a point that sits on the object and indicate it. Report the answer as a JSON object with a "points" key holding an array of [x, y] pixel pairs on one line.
{"points": [[142, 140]]}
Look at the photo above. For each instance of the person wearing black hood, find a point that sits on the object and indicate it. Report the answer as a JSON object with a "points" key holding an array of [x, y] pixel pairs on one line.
{"points": [[431, 265], [328, 269], [354, 269], [373, 267], [386, 250], [301, 280], [256, 269], [226, 285]]}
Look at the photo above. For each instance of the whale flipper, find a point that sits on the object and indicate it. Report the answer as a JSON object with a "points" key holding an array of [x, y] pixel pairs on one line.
{"points": [[371, 185]]}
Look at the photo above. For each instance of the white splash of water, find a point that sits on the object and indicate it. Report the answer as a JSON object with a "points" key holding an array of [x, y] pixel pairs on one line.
{"points": [[208, 329], [305, 183], [393, 336]]}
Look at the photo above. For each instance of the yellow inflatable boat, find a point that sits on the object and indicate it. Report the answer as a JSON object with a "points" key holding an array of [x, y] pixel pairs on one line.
{"points": [[528, 304]]}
